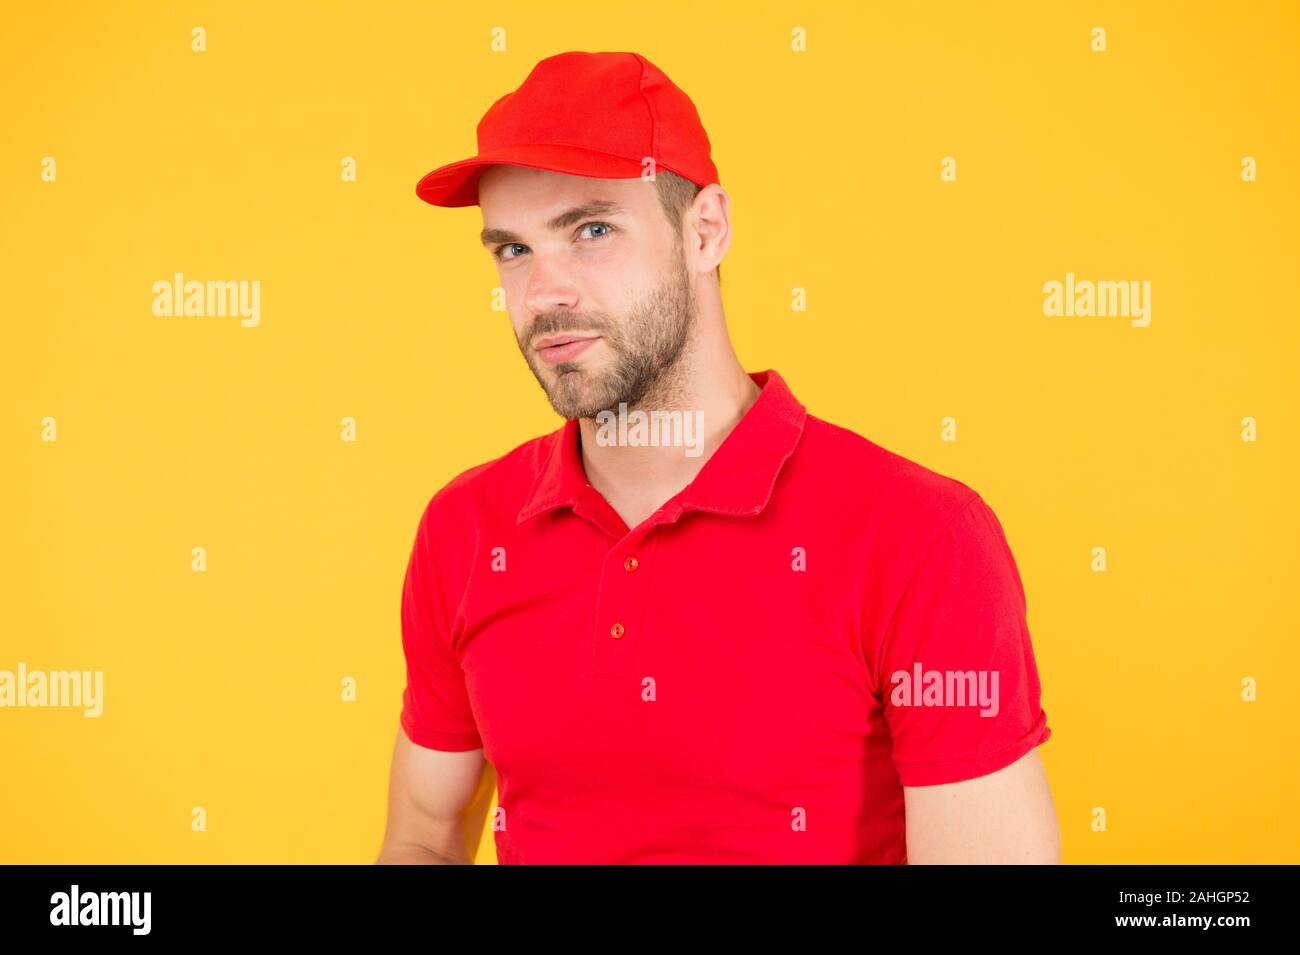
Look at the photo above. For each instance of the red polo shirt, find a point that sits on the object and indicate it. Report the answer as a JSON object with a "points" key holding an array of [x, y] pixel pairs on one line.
{"points": [[725, 682]]}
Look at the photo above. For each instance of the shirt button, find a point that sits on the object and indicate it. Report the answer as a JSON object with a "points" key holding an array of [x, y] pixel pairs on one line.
{"points": [[631, 564], [616, 631]]}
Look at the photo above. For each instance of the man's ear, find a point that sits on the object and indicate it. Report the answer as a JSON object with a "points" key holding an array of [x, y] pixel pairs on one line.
{"points": [[708, 227]]}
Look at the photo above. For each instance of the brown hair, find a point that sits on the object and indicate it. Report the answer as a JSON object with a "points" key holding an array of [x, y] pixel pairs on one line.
{"points": [[676, 195]]}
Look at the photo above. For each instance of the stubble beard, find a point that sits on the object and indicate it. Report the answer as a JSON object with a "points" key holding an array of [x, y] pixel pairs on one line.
{"points": [[649, 346]]}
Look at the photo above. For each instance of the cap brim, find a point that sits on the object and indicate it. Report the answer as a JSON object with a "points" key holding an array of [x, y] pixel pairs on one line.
{"points": [[456, 184]]}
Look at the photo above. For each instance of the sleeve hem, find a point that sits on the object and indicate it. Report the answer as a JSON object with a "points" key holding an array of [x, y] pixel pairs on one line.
{"points": [[936, 772], [446, 742]]}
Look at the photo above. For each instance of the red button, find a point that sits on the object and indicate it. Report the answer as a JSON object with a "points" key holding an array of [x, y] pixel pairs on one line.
{"points": [[631, 564], [616, 631]]}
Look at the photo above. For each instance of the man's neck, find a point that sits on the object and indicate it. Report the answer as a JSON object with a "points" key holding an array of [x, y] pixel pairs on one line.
{"points": [[637, 480]]}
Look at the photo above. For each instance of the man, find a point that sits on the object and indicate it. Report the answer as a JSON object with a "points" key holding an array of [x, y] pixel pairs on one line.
{"points": [[736, 634]]}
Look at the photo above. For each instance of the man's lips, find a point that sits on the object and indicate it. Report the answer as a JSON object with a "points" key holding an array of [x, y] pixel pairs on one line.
{"points": [[557, 348]]}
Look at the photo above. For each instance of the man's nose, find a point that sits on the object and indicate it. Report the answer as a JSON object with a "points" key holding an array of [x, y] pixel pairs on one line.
{"points": [[550, 288]]}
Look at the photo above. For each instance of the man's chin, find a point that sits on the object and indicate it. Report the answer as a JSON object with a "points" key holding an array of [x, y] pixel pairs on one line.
{"points": [[574, 392]]}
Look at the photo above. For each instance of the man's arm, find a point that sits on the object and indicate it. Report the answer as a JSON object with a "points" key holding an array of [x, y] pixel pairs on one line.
{"points": [[437, 803], [1001, 818]]}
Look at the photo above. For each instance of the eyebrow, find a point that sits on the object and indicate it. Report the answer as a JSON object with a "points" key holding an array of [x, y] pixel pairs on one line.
{"points": [[594, 207]]}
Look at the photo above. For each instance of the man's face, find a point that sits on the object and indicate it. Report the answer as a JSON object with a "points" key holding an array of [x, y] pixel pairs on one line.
{"points": [[596, 284]]}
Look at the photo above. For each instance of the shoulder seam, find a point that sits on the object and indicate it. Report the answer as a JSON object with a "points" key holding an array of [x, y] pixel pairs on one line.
{"points": [[925, 553]]}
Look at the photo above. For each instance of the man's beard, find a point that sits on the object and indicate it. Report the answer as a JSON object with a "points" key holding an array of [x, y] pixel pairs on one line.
{"points": [[648, 347]]}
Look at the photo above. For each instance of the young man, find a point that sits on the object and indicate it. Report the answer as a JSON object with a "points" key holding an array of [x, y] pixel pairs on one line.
{"points": [[696, 623]]}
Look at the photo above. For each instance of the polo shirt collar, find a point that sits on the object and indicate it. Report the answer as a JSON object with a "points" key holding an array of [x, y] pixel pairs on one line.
{"points": [[737, 479]]}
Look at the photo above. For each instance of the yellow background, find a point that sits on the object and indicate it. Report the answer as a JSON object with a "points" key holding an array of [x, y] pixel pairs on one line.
{"points": [[222, 689]]}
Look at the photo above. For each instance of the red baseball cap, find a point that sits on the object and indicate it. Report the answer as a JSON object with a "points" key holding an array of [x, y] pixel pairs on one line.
{"points": [[604, 115]]}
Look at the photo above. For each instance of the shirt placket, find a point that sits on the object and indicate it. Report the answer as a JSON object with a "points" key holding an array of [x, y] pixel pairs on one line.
{"points": [[624, 587]]}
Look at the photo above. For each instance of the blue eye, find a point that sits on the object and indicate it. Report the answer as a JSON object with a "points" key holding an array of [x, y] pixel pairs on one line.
{"points": [[499, 252]]}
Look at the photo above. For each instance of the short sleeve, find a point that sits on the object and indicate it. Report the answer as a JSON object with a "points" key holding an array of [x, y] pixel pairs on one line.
{"points": [[436, 711], [958, 681]]}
